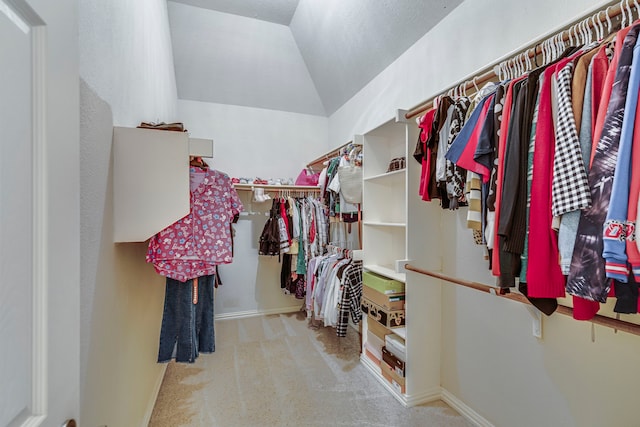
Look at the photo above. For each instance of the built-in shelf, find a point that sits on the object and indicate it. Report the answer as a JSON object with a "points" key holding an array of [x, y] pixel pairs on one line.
{"points": [[384, 224], [148, 199], [401, 332], [386, 175], [386, 271], [375, 370], [250, 187]]}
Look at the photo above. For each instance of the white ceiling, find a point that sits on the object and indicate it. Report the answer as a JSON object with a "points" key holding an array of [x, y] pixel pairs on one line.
{"points": [[343, 44], [276, 11]]}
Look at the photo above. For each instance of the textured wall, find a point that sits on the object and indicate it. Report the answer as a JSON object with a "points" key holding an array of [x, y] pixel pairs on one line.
{"points": [[229, 59], [127, 71], [126, 58]]}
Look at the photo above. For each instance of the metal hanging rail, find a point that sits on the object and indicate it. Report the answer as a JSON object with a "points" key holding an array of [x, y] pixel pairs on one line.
{"points": [[534, 49], [617, 324]]}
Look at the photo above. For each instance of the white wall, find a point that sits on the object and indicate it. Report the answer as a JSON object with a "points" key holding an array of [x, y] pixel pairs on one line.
{"points": [[490, 360], [126, 58], [230, 59], [254, 142], [127, 72]]}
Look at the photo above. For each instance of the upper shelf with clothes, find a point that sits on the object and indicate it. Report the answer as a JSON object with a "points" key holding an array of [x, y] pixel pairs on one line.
{"points": [[320, 162], [151, 179], [250, 187]]}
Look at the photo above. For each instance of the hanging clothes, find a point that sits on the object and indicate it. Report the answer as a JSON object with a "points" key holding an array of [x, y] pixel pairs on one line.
{"points": [[187, 328], [351, 296], [188, 253], [334, 290], [195, 244], [587, 277]]}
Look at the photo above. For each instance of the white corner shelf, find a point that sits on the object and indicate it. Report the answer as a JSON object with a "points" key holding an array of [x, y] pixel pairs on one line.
{"points": [[384, 224], [389, 209], [401, 332], [386, 271], [151, 180], [386, 175]]}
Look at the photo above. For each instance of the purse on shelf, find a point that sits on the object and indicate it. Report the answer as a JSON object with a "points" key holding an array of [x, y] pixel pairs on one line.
{"points": [[175, 127], [397, 164], [308, 178]]}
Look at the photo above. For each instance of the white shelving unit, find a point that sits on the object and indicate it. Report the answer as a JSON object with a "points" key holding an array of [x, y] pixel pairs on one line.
{"points": [[393, 213]]}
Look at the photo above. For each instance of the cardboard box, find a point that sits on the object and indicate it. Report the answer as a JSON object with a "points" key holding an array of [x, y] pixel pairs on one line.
{"points": [[396, 381], [397, 365], [387, 318], [390, 301], [378, 330], [382, 284]]}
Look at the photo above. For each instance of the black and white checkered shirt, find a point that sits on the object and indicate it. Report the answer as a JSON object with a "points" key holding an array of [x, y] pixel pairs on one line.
{"points": [[350, 298], [570, 186]]}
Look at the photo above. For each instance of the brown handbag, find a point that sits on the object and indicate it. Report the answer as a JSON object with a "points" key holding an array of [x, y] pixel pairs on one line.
{"points": [[175, 127]]}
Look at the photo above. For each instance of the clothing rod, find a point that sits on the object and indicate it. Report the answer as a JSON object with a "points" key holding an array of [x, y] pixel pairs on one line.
{"points": [[619, 325], [331, 154], [532, 50]]}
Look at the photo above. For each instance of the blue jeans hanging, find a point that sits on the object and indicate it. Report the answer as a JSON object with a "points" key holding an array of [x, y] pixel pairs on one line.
{"points": [[187, 328]]}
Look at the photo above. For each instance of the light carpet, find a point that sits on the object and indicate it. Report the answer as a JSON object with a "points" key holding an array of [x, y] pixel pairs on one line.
{"points": [[281, 370]]}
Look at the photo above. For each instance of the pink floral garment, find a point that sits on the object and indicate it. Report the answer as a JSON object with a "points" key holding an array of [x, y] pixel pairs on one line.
{"points": [[195, 244]]}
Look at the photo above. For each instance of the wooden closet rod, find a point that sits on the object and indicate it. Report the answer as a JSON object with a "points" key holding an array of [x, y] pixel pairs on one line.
{"points": [[620, 325], [488, 73], [329, 155]]}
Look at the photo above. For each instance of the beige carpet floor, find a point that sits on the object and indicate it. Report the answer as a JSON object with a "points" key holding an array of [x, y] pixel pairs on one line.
{"points": [[280, 370]]}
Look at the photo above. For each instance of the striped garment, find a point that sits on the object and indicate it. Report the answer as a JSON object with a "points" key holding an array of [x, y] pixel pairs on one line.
{"points": [[350, 299], [570, 186]]}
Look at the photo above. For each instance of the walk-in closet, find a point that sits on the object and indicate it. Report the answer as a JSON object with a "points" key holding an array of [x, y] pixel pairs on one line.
{"points": [[242, 213]]}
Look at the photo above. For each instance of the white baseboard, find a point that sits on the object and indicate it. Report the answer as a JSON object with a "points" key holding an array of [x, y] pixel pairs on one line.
{"points": [[154, 397], [424, 397], [253, 313], [465, 410], [437, 393]]}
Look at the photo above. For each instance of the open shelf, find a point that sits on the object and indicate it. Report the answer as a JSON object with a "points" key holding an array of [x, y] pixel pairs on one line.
{"points": [[384, 224], [250, 187], [386, 271], [386, 175]]}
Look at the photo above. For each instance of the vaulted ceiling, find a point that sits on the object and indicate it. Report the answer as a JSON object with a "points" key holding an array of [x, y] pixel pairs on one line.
{"points": [[306, 56]]}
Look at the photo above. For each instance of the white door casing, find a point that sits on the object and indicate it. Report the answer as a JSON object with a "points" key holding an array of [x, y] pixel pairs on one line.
{"points": [[32, 370]]}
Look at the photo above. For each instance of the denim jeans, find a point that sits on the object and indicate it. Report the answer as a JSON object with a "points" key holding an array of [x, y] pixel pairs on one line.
{"points": [[187, 328]]}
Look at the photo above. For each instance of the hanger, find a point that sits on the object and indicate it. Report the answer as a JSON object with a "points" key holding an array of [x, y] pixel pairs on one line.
{"points": [[609, 26], [593, 28], [600, 27], [624, 15], [198, 162]]}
